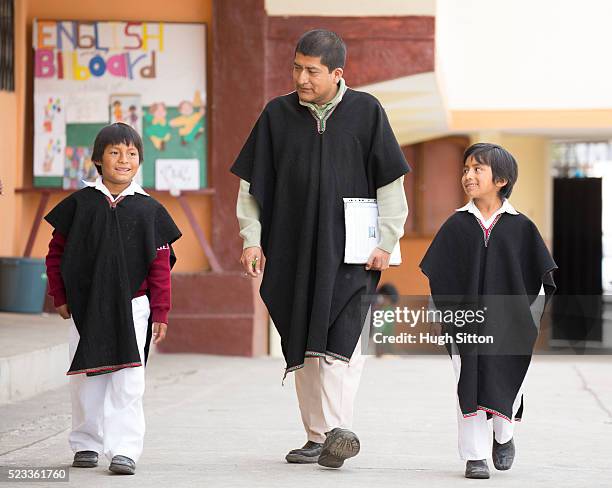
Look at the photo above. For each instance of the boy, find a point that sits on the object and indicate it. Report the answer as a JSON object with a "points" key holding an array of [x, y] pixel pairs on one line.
{"points": [[109, 267], [490, 256]]}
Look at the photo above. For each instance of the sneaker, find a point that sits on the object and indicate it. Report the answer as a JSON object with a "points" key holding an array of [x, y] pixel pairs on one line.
{"points": [[122, 465], [340, 445], [478, 470], [85, 459], [308, 453]]}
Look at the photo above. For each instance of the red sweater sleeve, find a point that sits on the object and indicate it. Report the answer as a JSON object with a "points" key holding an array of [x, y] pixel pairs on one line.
{"points": [[54, 274], [159, 285]]}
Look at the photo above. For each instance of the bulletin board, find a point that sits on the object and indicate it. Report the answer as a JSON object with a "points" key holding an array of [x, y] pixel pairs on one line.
{"points": [[151, 75]]}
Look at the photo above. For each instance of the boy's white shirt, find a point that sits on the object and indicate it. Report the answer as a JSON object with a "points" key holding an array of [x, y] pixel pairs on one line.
{"points": [[473, 209], [130, 190]]}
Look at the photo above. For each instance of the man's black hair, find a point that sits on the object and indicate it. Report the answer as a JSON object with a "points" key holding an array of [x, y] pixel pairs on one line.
{"points": [[118, 133], [502, 163], [325, 44]]}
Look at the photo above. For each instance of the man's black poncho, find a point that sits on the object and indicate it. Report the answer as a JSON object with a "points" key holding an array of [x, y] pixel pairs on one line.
{"points": [[299, 177]]}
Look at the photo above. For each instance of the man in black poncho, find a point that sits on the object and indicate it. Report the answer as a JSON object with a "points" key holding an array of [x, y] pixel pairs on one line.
{"points": [[490, 257], [309, 150]]}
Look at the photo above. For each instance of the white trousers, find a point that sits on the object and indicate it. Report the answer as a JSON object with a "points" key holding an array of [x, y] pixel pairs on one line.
{"points": [[326, 389], [107, 412], [475, 440]]}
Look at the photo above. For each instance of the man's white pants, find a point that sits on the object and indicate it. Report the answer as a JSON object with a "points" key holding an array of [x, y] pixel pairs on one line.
{"points": [[107, 412], [475, 441], [326, 389]]}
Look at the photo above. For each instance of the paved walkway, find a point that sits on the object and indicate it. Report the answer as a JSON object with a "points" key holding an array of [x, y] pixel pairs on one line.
{"points": [[227, 422]]}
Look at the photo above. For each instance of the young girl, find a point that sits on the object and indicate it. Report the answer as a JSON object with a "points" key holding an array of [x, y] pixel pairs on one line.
{"points": [[489, 256], [109, 267]]}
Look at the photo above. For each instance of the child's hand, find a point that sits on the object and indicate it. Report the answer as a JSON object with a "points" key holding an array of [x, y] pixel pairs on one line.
{"points": [[159, 332], [64, 311]]}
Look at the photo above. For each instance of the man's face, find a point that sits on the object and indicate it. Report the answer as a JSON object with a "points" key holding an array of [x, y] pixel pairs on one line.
{"points": [[313, 81], [477, 180]]}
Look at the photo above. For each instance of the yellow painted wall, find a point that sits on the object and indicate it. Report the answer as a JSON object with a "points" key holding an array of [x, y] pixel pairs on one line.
{"points": [[17, 211]]}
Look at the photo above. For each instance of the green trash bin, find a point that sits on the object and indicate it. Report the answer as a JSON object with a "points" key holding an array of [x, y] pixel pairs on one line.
{"points": [[23, 284]]}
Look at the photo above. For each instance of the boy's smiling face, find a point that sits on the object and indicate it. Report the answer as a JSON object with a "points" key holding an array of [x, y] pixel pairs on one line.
{"points": [[120, 163], [477, 180]]}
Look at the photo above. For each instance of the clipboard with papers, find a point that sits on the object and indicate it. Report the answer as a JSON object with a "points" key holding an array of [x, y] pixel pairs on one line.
{"points": [[362, 232]]}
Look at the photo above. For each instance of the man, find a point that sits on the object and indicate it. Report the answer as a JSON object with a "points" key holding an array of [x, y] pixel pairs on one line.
{"points": [[309, 150]]}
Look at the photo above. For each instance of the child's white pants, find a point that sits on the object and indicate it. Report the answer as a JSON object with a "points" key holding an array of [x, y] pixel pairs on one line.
{"points": [[107, 412], [475, 440]]}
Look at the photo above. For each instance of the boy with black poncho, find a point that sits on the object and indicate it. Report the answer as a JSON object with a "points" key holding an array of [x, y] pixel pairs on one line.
{"points": [[489, 256], [109, 267]]}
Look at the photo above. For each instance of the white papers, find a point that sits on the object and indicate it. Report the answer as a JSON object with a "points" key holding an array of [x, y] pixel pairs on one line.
{"points": [[177, 174], [87, 108], [362, 232]]}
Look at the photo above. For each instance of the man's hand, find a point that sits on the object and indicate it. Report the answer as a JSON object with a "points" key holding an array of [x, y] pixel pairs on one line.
{"points": [[378, 261], [251, 261], [64, 311], [159, 332]]}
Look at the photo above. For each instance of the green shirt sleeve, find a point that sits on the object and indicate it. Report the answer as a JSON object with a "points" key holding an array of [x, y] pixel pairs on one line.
{"points": [[247, 211], [392, 213]]}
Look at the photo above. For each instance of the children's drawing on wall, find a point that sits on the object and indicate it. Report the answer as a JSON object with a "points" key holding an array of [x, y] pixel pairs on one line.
{"points": [[157, 129], [78, 167], [190, 122], [49, 155], [49, 115], [126, 109]]}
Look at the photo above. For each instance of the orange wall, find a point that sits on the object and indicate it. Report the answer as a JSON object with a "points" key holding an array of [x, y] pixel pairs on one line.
{"points": [[21, 208], [407, 277]]}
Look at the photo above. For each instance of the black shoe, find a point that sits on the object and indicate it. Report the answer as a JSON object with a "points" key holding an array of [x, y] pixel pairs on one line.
{"points": [[309, 453], [340, 445], [478, 470], [503, 454], [122, 465], [85, 459]]}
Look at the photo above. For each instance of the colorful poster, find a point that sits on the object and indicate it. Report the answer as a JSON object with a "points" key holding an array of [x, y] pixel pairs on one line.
{"points": [[78, 167], [49, 114], [151, 75]]}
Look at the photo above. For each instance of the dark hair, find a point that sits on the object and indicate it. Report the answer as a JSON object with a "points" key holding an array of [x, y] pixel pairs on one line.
{"points": [[502, 163], [118, 133], [325, 44], [388, 289]]}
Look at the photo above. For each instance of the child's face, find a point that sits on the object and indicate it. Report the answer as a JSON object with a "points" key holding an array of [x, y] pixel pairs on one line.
{"points": [[477, 180], [120, 163]]}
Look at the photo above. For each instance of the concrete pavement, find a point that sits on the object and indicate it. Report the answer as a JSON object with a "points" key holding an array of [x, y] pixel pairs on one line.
{"points": [[227, 422]]}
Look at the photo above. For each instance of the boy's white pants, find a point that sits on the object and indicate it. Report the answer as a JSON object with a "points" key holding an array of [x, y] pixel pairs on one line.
{"points": [[475, 440], [326, 389], [107, 412]]}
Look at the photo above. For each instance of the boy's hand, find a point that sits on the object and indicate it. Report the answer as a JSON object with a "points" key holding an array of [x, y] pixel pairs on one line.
{"points": [[379, 260], [159, 332], [251, 261], [64, 311]]}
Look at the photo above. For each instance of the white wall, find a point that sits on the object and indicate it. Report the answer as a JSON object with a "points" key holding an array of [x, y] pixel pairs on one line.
{"points": [[525, 54]]}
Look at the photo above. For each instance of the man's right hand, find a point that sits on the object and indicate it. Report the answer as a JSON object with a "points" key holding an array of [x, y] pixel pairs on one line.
{"points": [[251, 261], [64, 311]]}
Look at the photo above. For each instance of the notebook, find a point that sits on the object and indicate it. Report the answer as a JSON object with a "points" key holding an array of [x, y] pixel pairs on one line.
{"points": [[362, 232]]}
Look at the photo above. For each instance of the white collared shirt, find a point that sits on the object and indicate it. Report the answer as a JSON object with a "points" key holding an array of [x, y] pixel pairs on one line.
{"points": [[473, 209], [130, 190]]}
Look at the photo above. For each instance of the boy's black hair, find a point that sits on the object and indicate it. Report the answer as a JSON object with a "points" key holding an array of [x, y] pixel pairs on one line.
{"points": [[502, 163], [325, 44], [389, 289], [117, 133]]}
